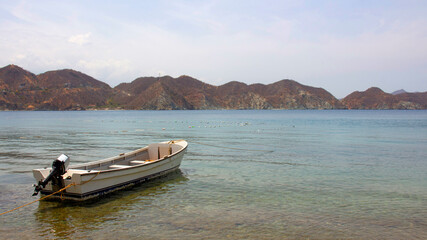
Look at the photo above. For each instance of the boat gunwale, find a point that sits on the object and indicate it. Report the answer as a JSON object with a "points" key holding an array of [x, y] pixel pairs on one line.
{"points": [[121, 155], [124, 155]]}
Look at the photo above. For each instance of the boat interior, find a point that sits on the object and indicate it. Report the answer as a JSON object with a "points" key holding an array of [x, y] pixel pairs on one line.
{"points": [[150, 154]]}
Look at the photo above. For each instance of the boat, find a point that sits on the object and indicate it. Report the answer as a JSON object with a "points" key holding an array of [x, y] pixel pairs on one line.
{"points": [[81, 182]]}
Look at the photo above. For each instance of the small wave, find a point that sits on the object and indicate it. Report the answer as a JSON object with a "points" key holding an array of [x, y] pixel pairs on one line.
{"points": [[255, 161]]}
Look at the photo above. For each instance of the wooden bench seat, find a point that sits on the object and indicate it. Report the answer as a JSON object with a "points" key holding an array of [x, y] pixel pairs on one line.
{"points": [[137, 162], [118, 166]]}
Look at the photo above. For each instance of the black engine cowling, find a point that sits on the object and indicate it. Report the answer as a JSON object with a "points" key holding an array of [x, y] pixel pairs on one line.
{"points": [[59, 168]]}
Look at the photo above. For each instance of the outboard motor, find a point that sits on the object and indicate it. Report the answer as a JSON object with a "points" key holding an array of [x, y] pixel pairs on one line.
{"points": [[59, 168]]}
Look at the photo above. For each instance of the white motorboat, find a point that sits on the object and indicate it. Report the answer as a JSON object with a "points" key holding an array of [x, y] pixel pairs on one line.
{"points": [[85, 181]]}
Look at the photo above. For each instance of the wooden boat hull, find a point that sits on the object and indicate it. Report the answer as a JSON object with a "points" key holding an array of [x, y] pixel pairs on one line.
{"points": [[105, 176]]}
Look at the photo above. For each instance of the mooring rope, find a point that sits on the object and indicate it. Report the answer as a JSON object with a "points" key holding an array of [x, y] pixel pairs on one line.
{"points": [[59, 191], [62, 189]]}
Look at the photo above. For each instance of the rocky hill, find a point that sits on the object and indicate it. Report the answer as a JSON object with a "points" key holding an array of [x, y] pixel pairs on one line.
{"points": [[418, 99], [55, 90], [398, 92], [375, 98], [162, 93], [72, 90], [188, 93]]}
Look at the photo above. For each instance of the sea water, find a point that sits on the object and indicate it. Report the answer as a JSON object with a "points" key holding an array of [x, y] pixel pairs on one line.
{"points": [[246, 175]]}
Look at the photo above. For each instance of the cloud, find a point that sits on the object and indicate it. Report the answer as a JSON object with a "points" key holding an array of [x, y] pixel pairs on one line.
{"points": [[111, 69], [80, 39], [18, 57]]}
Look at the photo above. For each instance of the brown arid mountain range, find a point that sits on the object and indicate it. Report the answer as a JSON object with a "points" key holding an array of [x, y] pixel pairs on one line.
{"points": [[72, 90], [188, 93]]}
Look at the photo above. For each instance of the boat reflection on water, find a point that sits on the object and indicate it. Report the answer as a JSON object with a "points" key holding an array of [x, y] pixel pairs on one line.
{"points": [[64, 219]]}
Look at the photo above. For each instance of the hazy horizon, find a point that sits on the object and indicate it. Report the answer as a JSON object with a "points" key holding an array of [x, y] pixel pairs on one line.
{"points": [[339, 46]]}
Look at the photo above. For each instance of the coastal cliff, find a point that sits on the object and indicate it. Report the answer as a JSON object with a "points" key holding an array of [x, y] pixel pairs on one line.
{"points": [[72, 90], [375, 98]]}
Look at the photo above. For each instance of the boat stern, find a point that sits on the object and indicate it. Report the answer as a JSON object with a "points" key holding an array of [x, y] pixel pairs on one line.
{"points": [[41, 174]]}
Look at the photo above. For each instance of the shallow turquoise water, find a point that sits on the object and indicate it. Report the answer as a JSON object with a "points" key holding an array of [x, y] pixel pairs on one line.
{"points": [[246, 175]]}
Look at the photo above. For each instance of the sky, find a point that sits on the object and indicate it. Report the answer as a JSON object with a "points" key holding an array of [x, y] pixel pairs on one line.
{"points": [[341, 46]]}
